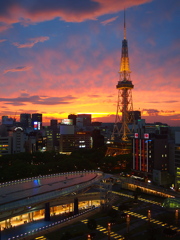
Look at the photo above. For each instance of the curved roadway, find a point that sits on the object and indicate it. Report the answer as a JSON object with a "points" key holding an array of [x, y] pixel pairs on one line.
{"points": [[28, 192]]}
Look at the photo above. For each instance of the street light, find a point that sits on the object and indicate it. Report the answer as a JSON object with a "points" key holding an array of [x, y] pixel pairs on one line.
{"points": [[149, 215], [176, 215], [109, 231], [128, 222], [89, 237]]}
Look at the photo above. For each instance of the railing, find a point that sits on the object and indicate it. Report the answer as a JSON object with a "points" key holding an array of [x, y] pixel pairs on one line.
{"points": [[157, 189], [44, 197], [23, 180]]}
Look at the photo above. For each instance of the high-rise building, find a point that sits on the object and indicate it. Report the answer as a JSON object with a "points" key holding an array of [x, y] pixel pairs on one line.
{"points": [[54, 123], [134, 116], [79, 140], [177, 161], [5, 145], [83, 120], [8, 121], [73, 117], [25, 120], [37, 121], [19, 139], [150, 152]]}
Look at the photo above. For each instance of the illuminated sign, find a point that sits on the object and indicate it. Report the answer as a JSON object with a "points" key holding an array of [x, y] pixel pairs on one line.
{"points": [[136, 135], [146, 135], [67, 121], [18, 128], [37, 125]]}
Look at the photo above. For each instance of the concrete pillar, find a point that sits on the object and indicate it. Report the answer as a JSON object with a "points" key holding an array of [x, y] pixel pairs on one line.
{"points": [[32, 215], [29, 217], [47, 212], [9, 223], [6, 224], [76, 203]]}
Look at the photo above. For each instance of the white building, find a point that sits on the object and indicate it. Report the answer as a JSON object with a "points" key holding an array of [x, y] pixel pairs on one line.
{"points": [[19, 139]]}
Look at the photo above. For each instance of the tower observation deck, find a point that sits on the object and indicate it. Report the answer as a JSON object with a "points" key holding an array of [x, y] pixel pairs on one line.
{"points": [[120, 138], [124, 102]]}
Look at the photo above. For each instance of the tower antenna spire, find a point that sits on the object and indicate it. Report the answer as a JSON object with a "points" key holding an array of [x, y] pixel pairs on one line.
{"points": [[124, 86], [124, 23], [124, 120]]}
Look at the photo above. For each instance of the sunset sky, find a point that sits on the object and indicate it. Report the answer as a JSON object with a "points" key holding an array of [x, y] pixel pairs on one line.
{"points": [[62, 56]]}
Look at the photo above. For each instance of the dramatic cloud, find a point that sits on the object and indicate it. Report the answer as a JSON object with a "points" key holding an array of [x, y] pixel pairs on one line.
{"points": [[150, 112], [173, 120], [94, 96], [109, 20], [170, 101], [68, 10], [4, 27], [168, 111], [2, 40], [155, 112], [77, 55], [37, 100], [32, 42], [18, 69]]}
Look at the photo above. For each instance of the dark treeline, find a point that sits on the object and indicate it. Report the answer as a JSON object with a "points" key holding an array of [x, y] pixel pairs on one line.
{"points": [[23, 165]]}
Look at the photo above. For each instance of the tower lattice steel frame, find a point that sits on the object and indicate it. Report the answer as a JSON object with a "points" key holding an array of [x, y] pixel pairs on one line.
{"points": [[124, 113]]}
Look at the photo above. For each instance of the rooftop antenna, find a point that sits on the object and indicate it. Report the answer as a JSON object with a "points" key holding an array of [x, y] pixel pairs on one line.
{"points": [[124, 24]]}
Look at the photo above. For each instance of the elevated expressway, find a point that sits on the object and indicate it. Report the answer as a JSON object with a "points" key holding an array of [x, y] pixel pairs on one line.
{"points": [[39, 194]]}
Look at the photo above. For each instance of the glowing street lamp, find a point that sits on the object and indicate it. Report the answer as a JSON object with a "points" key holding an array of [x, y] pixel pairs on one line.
{"points": [[149, 215], [89, 237], [128, 222], [176, 215], [109, 230]]}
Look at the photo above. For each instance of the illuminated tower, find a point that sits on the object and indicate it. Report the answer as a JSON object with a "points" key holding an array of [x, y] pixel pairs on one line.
{"points": [[124, 113]]}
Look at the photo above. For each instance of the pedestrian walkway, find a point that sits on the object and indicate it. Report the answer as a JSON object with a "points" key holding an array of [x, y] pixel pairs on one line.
{"points": [[151, 220], [39, 228], [104, 230]]}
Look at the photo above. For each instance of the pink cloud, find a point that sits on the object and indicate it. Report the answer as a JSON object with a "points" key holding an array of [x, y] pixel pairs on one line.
{"points": [[69, 10], [18, 69], [4, 27], [58, 74], [32, 42], [2, 40], [109, 20]]}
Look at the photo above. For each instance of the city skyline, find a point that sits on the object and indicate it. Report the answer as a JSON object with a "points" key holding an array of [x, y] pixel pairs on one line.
{"points": [[62, 57]]}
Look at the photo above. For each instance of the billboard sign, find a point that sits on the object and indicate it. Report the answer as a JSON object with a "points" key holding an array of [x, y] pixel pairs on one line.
{"points": [[136, 135], [146, 135], [37, 125]]}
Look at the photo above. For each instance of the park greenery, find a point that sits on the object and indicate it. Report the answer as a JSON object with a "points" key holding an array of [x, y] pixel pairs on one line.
{"points": [[23, 165]]}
